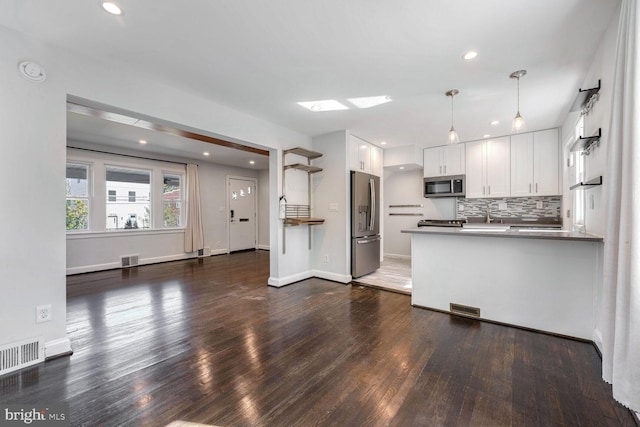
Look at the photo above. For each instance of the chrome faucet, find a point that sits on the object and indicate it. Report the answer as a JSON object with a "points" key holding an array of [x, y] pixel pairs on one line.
{"points": [[488, 219]]}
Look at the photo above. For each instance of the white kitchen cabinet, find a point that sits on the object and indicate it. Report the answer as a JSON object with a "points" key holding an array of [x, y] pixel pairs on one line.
{"points": [[488, 168], [534, 164], [445, 160], [365, 157]]}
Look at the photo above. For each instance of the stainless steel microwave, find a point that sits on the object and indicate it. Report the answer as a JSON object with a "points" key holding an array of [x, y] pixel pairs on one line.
{"points": [[444, 186]]}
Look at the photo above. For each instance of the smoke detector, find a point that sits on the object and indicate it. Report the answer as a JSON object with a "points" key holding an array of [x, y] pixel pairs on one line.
{"points": [[32, 71]]}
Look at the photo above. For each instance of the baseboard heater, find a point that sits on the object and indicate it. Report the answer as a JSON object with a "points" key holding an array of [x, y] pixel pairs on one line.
{"points": [[20, 355], [464, 310]]}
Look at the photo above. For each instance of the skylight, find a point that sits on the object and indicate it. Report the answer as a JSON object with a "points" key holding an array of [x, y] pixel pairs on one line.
{"points": [[324, 105], [369, 101]]}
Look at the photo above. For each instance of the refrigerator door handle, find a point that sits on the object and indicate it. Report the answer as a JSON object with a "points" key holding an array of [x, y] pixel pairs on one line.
{"points": [[372, 187]]}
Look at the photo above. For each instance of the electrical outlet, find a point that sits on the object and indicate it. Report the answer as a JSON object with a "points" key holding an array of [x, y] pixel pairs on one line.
{"points": [[568, 213], [502, 206], [43, 313], [540, 205], [333, 207], [326, 258], [460, 207]]}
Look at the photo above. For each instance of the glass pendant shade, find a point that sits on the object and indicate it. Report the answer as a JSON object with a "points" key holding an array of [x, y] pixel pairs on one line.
{"points": [[453, 136], [518, 124]]}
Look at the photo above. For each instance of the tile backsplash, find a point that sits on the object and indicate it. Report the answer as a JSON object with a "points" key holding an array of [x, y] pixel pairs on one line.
{"points": [[514, 207]]}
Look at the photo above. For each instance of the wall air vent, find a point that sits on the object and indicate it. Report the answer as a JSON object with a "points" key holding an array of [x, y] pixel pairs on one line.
{"points": [[464, 310], [20, 355], [129, 261]]}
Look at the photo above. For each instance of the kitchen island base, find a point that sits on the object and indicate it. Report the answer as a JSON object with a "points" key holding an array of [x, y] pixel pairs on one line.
{"points": [[542, 284]]}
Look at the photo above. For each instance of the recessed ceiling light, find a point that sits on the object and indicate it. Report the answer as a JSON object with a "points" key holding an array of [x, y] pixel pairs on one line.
{"points": [[369, 101], [142, 141], [206, 153], [486, 135], [383, 143], [469, 55], [252, 162], [495, 122], [324, 105], [111, 8]]}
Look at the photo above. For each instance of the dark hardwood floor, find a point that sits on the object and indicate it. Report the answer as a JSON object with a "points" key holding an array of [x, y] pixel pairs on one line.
{"points": [[207, 341]]}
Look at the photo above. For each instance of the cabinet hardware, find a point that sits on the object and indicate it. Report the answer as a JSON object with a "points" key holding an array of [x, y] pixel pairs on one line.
{"points": [[489, 192], [445, 169], [529, 187], [441, 169], [536, 187]]}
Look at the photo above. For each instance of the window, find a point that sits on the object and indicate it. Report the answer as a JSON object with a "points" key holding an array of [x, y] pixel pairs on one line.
{"points": [[172, 200], [77, 197], [132, 210], [578, 163]]}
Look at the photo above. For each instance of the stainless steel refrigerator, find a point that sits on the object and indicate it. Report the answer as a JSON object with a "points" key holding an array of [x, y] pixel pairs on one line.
{"points": [[365, 223]]}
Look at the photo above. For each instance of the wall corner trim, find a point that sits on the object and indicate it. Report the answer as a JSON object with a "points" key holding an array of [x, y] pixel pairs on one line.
{"points": [[57, 348]]}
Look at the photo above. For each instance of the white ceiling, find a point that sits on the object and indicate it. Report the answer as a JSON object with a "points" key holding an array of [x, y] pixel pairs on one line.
{"points": [[262, 57]]}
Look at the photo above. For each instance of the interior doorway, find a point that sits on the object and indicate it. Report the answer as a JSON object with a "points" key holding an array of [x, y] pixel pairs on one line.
{"points": [[242, 206]]}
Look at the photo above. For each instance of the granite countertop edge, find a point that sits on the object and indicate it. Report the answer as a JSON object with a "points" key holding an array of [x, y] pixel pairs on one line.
{"points": [[566, 235]]}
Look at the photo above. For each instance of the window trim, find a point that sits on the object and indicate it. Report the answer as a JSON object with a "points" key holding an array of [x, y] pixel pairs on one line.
{"points": [[88, 199]]}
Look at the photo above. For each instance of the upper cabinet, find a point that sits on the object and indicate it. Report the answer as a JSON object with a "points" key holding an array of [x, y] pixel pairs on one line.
{"points": [[445, 160], [365, 157], [488, 168], [534, 164]]}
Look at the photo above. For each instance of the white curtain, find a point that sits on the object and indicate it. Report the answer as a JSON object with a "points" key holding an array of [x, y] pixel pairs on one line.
{"points": [[621, 288], [193, 237]]}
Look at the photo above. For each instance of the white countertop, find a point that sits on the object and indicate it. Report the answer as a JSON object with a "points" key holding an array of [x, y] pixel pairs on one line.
{"points": [[497, 231]]}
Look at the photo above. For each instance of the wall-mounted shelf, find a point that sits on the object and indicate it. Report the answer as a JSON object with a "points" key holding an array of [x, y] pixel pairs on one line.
{"points": [[588, 184], [299, 214], [303, 167], [585, 143], [583, 97], [303, 152]]}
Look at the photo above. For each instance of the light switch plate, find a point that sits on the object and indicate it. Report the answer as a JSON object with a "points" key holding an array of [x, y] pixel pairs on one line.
{"points": [[333, 207]]}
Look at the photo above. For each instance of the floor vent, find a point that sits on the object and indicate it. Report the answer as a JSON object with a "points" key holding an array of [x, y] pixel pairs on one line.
{"points": [[206, 251], [20, 355], [129, 261], [464, 310]]}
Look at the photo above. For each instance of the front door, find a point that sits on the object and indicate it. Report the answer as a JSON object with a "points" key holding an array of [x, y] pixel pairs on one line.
{"points": [[242, 214]]}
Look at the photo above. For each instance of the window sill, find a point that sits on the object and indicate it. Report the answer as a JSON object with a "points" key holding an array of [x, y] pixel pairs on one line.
{"points": [[121, 233]]}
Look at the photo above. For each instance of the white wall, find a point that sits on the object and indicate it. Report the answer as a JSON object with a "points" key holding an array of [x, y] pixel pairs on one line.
{"points": [[595, 164], [263, 209], [34, 133], [331, 240], [405, 187], [602, 67]]}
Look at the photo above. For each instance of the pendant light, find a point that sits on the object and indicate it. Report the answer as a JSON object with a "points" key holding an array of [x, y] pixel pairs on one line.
{"points": [[518, 124], [453, 135]]}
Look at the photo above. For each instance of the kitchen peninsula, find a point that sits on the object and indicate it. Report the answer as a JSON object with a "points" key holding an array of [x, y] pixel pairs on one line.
{"points": [[544, 280]]}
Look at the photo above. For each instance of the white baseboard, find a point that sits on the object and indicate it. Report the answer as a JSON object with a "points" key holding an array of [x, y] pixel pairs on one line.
{"points": [[398, 256], [143, 261], [284, 281], [219, 251], [59, 347], [264, 247], [334, 277]]}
